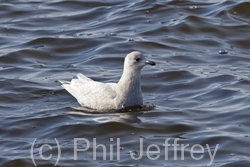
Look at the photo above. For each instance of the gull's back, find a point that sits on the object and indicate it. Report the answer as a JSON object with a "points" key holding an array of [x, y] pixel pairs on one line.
{"points": [[91, 94]]}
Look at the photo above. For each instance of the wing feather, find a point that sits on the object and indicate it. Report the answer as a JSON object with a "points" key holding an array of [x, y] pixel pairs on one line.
{"points": [[90, 93]]}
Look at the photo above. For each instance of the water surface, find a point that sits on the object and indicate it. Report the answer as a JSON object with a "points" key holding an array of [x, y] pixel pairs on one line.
{"points": [[201, 96]]}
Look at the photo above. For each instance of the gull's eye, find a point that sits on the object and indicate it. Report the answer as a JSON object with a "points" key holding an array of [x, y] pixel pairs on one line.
{"points": [[137, 59]]}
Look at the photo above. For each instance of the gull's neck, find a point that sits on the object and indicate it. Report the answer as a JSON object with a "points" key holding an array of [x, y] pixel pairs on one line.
{"points": [[130, 81], [128, 88]]}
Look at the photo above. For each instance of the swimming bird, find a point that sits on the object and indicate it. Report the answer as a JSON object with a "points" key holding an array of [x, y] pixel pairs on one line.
{"points": [[111, 96]]}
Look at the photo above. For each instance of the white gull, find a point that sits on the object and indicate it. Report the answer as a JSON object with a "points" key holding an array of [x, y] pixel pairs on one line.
{"points": [[111, 96]]}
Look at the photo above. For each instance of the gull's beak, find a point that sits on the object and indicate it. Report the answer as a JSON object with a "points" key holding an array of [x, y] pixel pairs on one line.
{"points": [[150, 63]]}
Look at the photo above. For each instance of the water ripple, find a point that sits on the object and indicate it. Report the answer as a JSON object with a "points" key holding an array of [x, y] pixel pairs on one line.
{"points": [[200, 96]]}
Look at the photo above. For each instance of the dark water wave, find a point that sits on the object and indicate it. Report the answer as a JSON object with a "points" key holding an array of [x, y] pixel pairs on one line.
{"points": [[200, 96]]}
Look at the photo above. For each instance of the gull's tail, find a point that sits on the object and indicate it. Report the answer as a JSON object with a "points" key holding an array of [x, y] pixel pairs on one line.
{"points": [[66, 85], [72, 87]]}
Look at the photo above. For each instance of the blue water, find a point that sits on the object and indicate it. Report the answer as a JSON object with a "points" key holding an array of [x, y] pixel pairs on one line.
{"points": [[201, 97]]}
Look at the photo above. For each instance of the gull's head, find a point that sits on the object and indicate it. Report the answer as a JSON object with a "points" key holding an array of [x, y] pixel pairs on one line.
{"points": [[137, 60]]}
